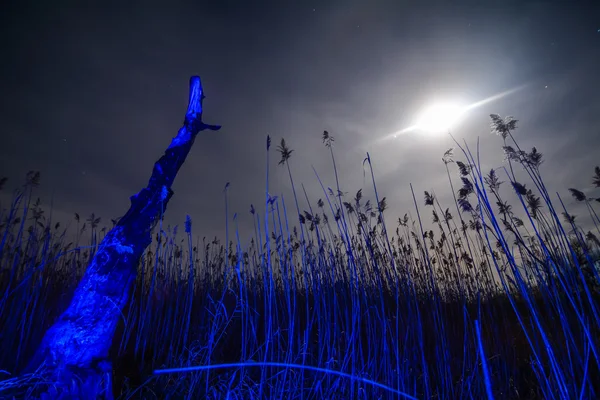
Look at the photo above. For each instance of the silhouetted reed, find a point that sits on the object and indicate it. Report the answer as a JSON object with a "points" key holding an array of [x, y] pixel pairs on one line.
{"points": [[489, 299]]}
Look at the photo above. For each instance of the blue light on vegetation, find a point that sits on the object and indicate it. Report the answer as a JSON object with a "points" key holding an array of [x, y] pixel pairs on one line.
{"points": [[285, 366], [334, 299]]}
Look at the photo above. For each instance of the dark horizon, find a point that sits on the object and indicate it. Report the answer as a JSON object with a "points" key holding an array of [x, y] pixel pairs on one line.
{"points": [[92, 97]]}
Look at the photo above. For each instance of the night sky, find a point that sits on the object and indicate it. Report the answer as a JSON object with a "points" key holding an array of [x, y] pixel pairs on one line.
{"points": [[92, 95]]}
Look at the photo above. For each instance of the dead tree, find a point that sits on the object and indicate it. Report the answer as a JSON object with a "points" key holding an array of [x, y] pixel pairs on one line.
{"points": [[74, 351]]}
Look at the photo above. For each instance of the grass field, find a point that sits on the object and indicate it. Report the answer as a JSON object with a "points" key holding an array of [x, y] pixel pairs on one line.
{"points": [[472, 300]]}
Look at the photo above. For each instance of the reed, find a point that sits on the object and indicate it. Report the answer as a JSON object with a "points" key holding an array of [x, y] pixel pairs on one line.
{"points": [[487, 300]]}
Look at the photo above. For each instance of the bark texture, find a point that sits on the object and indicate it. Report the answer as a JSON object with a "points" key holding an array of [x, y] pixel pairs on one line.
{"points": [[74, 351]]}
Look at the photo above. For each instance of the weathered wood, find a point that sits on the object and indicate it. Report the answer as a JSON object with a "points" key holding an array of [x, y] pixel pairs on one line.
{"points": [[77, 345]]}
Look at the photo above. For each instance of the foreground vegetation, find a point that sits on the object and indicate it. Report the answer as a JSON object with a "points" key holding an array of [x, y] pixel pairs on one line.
{"points": [[496, 300]]}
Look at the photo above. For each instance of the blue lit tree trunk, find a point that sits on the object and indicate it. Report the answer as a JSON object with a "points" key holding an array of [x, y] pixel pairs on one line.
{"points": [[74, 351]]}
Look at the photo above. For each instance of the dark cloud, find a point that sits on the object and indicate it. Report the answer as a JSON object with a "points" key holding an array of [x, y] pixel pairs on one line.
{"points": [[92, 95]]}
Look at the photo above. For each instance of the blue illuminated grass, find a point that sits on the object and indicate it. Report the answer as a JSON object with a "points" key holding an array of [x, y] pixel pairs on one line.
{"points": [[337, 299]]}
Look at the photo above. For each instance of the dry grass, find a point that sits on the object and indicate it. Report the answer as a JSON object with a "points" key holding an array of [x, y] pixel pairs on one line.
{"points": [[368, 311]]}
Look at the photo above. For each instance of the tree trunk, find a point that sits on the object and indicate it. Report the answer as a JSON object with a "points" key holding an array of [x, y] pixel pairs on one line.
{"points": [[74, 351]]}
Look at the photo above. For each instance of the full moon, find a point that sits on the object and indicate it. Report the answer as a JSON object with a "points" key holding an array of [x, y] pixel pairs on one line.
{"points": [[439, 118]]}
